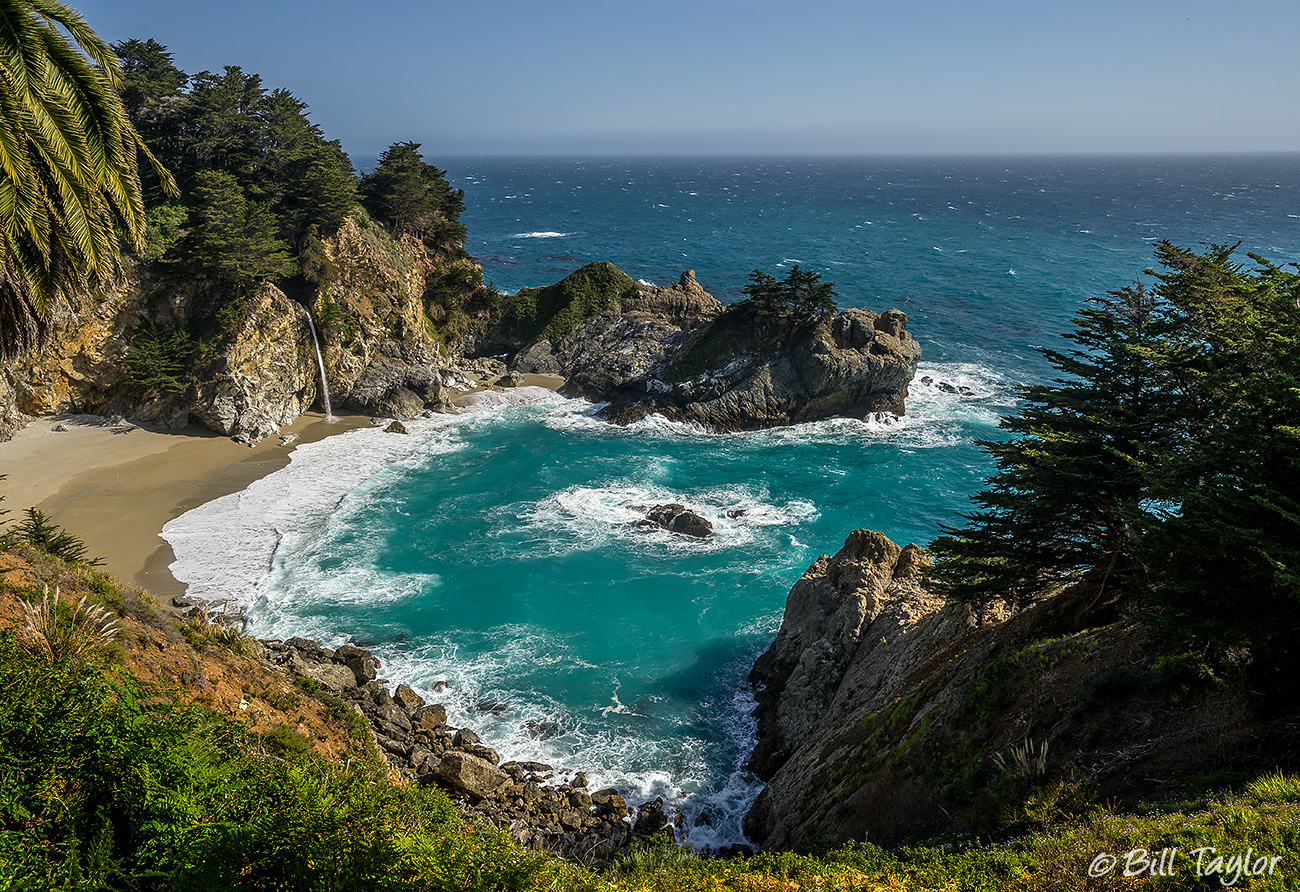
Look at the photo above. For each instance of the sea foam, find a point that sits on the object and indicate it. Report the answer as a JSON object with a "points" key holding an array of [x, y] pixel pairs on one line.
{"points": [[225, 549]]}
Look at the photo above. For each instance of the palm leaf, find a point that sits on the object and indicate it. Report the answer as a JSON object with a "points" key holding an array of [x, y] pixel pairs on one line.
{"points": [[69, 184]]}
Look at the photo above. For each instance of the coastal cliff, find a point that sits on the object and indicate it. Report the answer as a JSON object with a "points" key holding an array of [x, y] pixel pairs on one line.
{"points": [[887, 713], [678, 352], [242, 362]]}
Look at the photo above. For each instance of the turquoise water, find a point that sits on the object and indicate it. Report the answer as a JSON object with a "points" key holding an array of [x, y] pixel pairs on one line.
{"points": [[497, 550]]}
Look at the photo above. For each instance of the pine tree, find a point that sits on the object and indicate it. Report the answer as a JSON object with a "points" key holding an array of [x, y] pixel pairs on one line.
{"points": [[232, 238], [802, 293], [1165, 463], [1223, 546]]}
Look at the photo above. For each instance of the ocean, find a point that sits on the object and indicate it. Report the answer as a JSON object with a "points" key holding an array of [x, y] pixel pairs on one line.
{"points": [[493, 555]]}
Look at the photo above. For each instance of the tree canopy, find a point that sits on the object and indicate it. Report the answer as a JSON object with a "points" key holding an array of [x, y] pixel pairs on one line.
{"points": [[222, 134], [801, 293], [1164, 463], [413, 197]]}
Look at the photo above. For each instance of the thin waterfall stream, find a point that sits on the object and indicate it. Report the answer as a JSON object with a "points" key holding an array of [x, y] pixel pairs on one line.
{"points": [[320, 362]]}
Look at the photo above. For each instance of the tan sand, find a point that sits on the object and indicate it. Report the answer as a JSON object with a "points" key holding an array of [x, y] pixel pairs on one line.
{"points": [[116, 485], [550, 382]]}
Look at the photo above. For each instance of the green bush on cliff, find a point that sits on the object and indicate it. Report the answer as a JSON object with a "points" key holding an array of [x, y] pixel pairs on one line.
{"points": [[158, 359], [108, 785], [552, 312]]}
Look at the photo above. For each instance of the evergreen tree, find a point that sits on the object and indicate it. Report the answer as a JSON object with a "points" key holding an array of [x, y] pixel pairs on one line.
{"points": [[1071, 479], [413, 197], [232, 238], [314, 183], [153, 94], [802, 293], [1223, 545], [1165, 462]]}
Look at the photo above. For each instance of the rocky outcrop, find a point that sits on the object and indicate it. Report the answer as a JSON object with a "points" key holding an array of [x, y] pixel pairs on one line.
{"points": [[259, 382], [678, 352], [520, 797], [625, 342], [676, 519], [379, 357], [245, 364], [839, 619], [886, 713]]}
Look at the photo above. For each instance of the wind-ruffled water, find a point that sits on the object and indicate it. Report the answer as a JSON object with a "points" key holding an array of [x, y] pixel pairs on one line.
{"points": [[497, 550]]}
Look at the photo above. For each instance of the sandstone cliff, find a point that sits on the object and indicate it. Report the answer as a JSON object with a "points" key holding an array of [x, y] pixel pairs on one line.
{"points": [[679, 352], [242, 363], [886, 713]]}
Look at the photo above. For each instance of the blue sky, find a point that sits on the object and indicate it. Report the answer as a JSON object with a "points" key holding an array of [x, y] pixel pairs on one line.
{"points": [[757, 76]]}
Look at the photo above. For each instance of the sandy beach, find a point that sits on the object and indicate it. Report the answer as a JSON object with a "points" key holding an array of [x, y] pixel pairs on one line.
{"points": [[115, 485]]}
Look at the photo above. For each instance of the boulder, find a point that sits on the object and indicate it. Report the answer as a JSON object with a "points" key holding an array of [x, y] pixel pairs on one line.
{"points": [[426, 718], [465, 737], [406, 698], [396, 427], [651, 818], [330, 676], [472, 775], [392, 721], [678, 519], [359, 661]]}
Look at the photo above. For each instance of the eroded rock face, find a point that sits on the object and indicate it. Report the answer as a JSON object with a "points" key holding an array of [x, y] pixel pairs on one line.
{"points": [[676, 352], [623, 344], [826, 614], [855, 626], [261, 381]]}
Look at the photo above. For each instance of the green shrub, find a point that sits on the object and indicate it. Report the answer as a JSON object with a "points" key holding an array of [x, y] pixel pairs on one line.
{"points": [[554, 311], [38, 532], [1276, 787]]}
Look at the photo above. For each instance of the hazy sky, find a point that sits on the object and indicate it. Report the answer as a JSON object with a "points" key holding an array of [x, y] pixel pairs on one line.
{"points": [[757, 76]]}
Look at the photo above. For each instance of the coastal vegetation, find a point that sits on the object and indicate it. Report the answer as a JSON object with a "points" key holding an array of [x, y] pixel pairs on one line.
{"points": [[801, 294], [119, 777], [1163, 464], [550, 313], [69, 187]]}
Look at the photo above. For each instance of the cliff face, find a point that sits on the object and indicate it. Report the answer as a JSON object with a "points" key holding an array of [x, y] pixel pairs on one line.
{"points": [[243, 364], [678, 352], [887, 714]]}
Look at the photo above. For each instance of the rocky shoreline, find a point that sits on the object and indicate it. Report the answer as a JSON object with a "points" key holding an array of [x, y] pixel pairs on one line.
{"points": [[530, 800]]}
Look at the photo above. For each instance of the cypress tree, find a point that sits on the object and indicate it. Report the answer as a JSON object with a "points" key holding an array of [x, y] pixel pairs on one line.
{"points": [[1070, 480]]}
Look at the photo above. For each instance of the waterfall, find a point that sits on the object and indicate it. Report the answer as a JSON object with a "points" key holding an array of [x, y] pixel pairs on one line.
{"points": [[320, 361]]}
